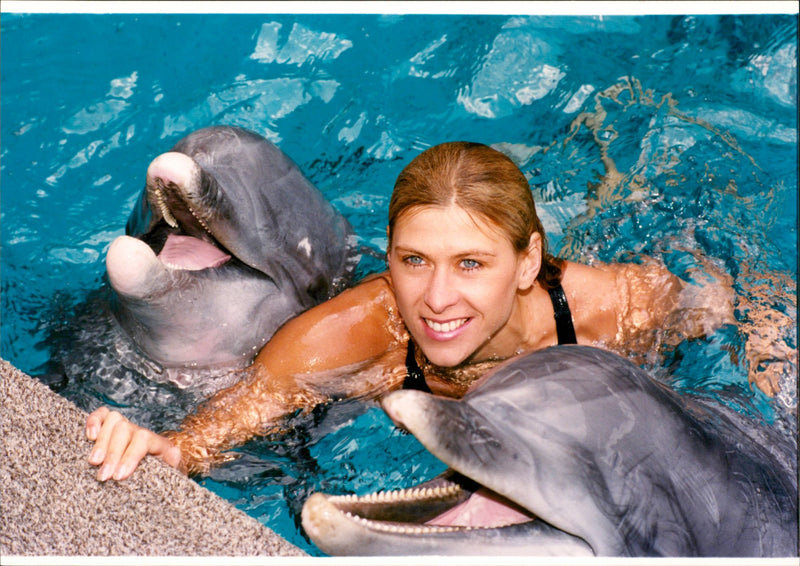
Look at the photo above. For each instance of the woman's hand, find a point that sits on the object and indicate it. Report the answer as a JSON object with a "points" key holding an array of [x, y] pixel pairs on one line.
{"points": [[119, 445]]}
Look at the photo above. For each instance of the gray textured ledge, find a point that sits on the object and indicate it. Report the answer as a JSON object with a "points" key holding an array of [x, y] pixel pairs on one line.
{"points": [[51, 504]]}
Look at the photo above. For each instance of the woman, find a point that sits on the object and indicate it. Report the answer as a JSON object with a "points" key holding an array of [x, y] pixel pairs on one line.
{"points": [[470, 283]]}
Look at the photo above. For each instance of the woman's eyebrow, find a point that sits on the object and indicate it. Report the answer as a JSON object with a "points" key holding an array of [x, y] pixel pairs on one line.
{"points": [[476, 253], [459, 254], [406, 249]]}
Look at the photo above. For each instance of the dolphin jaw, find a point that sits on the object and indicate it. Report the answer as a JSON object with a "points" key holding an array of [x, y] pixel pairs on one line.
{"points": [[415, 510], [343, 524], [374, 524], [133, 269], [384, 510]]}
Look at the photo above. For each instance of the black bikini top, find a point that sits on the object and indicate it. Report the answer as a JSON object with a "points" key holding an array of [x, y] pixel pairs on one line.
{"points": [[565, 331]]}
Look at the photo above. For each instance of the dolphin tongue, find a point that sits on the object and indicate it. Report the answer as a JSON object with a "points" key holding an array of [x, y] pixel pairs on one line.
{"points": [[191, 254], [483, 509]]}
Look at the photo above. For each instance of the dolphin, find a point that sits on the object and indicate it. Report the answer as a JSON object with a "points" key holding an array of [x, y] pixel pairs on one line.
{"points": [[574, 450], [227, 242]]}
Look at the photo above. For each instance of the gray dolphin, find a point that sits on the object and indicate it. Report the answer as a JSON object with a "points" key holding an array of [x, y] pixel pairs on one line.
{"points": [[581, 453], [227, 242]]}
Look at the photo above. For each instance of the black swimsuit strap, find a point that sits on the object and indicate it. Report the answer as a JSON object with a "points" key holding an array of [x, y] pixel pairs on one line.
{"points": [[564, 328], [415, 379]]}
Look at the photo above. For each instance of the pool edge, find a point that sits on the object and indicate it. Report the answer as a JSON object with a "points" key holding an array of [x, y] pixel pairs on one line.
{"points": [[53, 505]]}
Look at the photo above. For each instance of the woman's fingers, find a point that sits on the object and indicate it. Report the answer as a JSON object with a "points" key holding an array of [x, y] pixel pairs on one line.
{"points": [[120, 445], [112, 442], [106, 421], [95, 421], [139, 442]]}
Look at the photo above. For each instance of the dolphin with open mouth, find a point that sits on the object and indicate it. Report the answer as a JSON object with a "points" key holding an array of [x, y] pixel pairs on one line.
{"points": [[227, 242], [573, 450]]}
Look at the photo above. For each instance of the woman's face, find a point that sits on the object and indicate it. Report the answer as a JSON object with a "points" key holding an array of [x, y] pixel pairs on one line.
{"points": [[458, 283]]}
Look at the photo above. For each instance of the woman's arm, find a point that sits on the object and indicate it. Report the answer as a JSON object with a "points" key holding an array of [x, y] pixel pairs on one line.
{"points": [[350, 346], [632, 307]]}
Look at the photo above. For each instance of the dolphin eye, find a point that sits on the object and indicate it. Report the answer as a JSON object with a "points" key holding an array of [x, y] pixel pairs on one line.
{"points": [[318, 290]]}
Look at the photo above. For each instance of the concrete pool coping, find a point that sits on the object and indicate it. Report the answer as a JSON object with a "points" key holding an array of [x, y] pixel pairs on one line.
{"points": [[52, 505]]}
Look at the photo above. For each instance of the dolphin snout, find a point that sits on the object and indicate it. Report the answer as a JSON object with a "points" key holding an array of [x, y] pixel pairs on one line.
{"points": [[174, 167], [403, 406], [133, 269], [318, 515]]}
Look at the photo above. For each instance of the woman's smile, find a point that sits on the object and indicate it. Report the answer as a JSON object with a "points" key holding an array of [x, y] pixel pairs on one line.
{"points": [[445, 330]]}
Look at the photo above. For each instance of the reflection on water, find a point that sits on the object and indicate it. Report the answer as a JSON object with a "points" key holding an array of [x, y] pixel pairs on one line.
{"points": [[665, 137]]}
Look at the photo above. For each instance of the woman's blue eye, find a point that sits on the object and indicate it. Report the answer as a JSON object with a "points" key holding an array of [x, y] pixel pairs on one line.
{"points": [[469, 264], [413, 260]]}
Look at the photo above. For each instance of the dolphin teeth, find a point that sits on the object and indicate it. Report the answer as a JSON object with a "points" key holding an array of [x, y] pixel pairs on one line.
{"points": [[200, 220], [169, 218], [417, 493], [165, 212]]}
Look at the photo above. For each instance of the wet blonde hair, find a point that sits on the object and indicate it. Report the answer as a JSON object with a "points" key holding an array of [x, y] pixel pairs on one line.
{"points": [[482, 181]]}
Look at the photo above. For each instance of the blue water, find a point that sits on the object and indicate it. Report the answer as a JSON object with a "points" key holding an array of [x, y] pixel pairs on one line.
{"points": [[697, 114]]}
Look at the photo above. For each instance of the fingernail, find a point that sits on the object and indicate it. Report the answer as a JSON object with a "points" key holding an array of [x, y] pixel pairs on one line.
{"points": [[104, 472], [121, 472], [96, 456], [91, 432]]}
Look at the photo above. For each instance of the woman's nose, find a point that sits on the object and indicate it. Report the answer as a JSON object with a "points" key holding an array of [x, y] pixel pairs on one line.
{"points": [[441, 291]]}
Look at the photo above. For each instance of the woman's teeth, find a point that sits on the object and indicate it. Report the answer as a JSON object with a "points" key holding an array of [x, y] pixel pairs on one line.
{"points": [[445, 326]]}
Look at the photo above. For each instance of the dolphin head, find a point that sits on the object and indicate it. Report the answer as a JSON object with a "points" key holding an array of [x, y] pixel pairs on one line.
{"points": [[227, 241], [569, 450]]}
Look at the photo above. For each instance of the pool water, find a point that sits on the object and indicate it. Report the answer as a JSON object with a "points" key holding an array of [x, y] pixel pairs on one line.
{"points": [[671, 137]]}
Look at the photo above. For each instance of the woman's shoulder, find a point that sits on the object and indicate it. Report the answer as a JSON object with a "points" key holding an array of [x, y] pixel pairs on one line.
{"points": [[372, 299], [583, 280], [375, 287], [620, 296], [597, 295], [357, 325]]}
